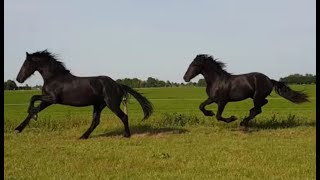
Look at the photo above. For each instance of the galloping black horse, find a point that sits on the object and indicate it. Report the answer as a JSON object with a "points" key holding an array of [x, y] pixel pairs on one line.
{"points": [[222, 87], [62, 87]]}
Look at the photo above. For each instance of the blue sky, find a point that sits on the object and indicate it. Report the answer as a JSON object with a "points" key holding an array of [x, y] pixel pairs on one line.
{"points": [[160, 38]]}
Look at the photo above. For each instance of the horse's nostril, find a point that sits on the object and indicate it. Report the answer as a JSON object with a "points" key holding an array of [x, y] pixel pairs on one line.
{"points": [[186, 79], [18, 79]]}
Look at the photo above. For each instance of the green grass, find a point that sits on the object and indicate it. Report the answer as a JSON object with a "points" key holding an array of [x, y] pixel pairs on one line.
{"points": [[177, 142]]}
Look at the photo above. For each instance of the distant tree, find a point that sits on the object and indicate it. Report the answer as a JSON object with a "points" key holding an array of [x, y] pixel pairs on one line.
{"points": [[151, 82], [174, 84], [299, 79], [136, 83], [201, 83], [168, 84], [38, 87], [26, 87], [10, 85], [191, 84], [143, 84], [161, 83]]}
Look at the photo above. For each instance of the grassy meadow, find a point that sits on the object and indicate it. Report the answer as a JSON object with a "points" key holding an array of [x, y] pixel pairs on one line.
{"points": [[176, 142]]}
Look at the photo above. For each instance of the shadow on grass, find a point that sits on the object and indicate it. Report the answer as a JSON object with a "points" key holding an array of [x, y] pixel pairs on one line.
{"points": [[144, 130], [275, 123]]}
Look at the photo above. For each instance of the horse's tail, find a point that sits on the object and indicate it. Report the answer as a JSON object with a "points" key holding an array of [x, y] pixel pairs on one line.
{"points": [[143, 101], [294, 96]]}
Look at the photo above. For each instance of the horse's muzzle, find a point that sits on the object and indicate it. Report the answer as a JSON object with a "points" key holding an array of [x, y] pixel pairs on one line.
{"points": [[19, 79], [186, 79]]}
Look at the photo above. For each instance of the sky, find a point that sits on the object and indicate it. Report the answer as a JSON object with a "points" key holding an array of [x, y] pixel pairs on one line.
{"points": [[159, 39]]}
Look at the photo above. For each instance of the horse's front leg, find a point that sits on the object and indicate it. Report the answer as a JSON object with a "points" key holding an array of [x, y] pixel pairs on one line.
{"points": [[221, 106], [31, 104], [31, 114], [202, 107], [44, 98]]}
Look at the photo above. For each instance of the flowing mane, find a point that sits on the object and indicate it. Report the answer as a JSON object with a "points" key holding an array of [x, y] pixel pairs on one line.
{"points": [[218, 65], [58, 66]]}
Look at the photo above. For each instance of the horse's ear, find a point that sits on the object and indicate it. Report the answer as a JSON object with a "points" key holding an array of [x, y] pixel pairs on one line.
{"points": [[27, 54]]}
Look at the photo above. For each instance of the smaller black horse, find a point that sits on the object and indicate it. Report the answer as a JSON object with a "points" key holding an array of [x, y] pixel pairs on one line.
{"points": [[62, 87], [222, 87]]}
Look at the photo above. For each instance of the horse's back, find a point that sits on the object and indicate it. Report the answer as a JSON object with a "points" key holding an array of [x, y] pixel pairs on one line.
{"points": [[83, 91], [248, 85]]}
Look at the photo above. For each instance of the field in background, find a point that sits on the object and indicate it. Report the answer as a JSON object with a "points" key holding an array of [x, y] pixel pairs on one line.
{"points": [[177, 142]]}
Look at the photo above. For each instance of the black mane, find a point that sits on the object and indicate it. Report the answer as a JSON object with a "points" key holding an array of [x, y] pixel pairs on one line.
{"points": [[57, 65], [219, 66], [45, 53]]}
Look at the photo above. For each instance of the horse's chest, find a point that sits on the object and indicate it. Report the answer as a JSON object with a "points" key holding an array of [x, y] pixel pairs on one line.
{"points": [[217, 92]]}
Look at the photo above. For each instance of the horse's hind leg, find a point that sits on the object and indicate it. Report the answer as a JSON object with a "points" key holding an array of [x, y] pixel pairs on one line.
{"points": [[31, 114], [95, 121], [258, 103], [124, 118]]}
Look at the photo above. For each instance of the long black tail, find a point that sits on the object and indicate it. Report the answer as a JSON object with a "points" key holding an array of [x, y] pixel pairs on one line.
{"points": [[143, 101], [293, 96]]}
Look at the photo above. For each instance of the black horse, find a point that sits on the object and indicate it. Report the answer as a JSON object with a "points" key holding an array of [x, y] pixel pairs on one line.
{"points": [[223, 87], [62, 87]]}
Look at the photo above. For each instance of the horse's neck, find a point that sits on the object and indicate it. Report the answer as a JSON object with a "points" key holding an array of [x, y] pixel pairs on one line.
{"points": [[212, 77], [209, 76], [48, 74]]}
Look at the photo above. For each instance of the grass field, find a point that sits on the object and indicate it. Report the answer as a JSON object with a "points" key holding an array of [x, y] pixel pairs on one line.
{"points": [[177, 142]]}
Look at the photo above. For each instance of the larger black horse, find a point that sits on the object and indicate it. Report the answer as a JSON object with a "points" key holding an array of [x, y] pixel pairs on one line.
{"points": [[62, 87], [222, 87]]}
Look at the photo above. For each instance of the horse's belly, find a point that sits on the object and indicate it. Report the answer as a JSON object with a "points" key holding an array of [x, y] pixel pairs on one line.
{"points": [[76, 99], [240, 94], [239, 98]]}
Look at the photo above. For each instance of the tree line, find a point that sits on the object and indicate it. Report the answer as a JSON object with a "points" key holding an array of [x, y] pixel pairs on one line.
{"points": [[11, 85], [299, 79], [153, 82]]}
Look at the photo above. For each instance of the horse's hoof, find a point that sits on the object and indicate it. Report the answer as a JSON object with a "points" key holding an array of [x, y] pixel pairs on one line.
{"points": [[234, 118], [35, 117], [83, 137], [243, 124], [230, 119], [243, 128], [17, 131], [126, 135], [209, 113]]}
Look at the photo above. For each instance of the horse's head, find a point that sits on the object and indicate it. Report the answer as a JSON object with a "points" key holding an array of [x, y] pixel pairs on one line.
{"points": [[28, 68], [195, 67], [204, 64], [42, 61]]}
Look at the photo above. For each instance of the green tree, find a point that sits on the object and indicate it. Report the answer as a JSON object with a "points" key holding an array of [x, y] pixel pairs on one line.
{"points": [[201, 83], [151, 82], [299, 79], [10, 85], [168, 84]]}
